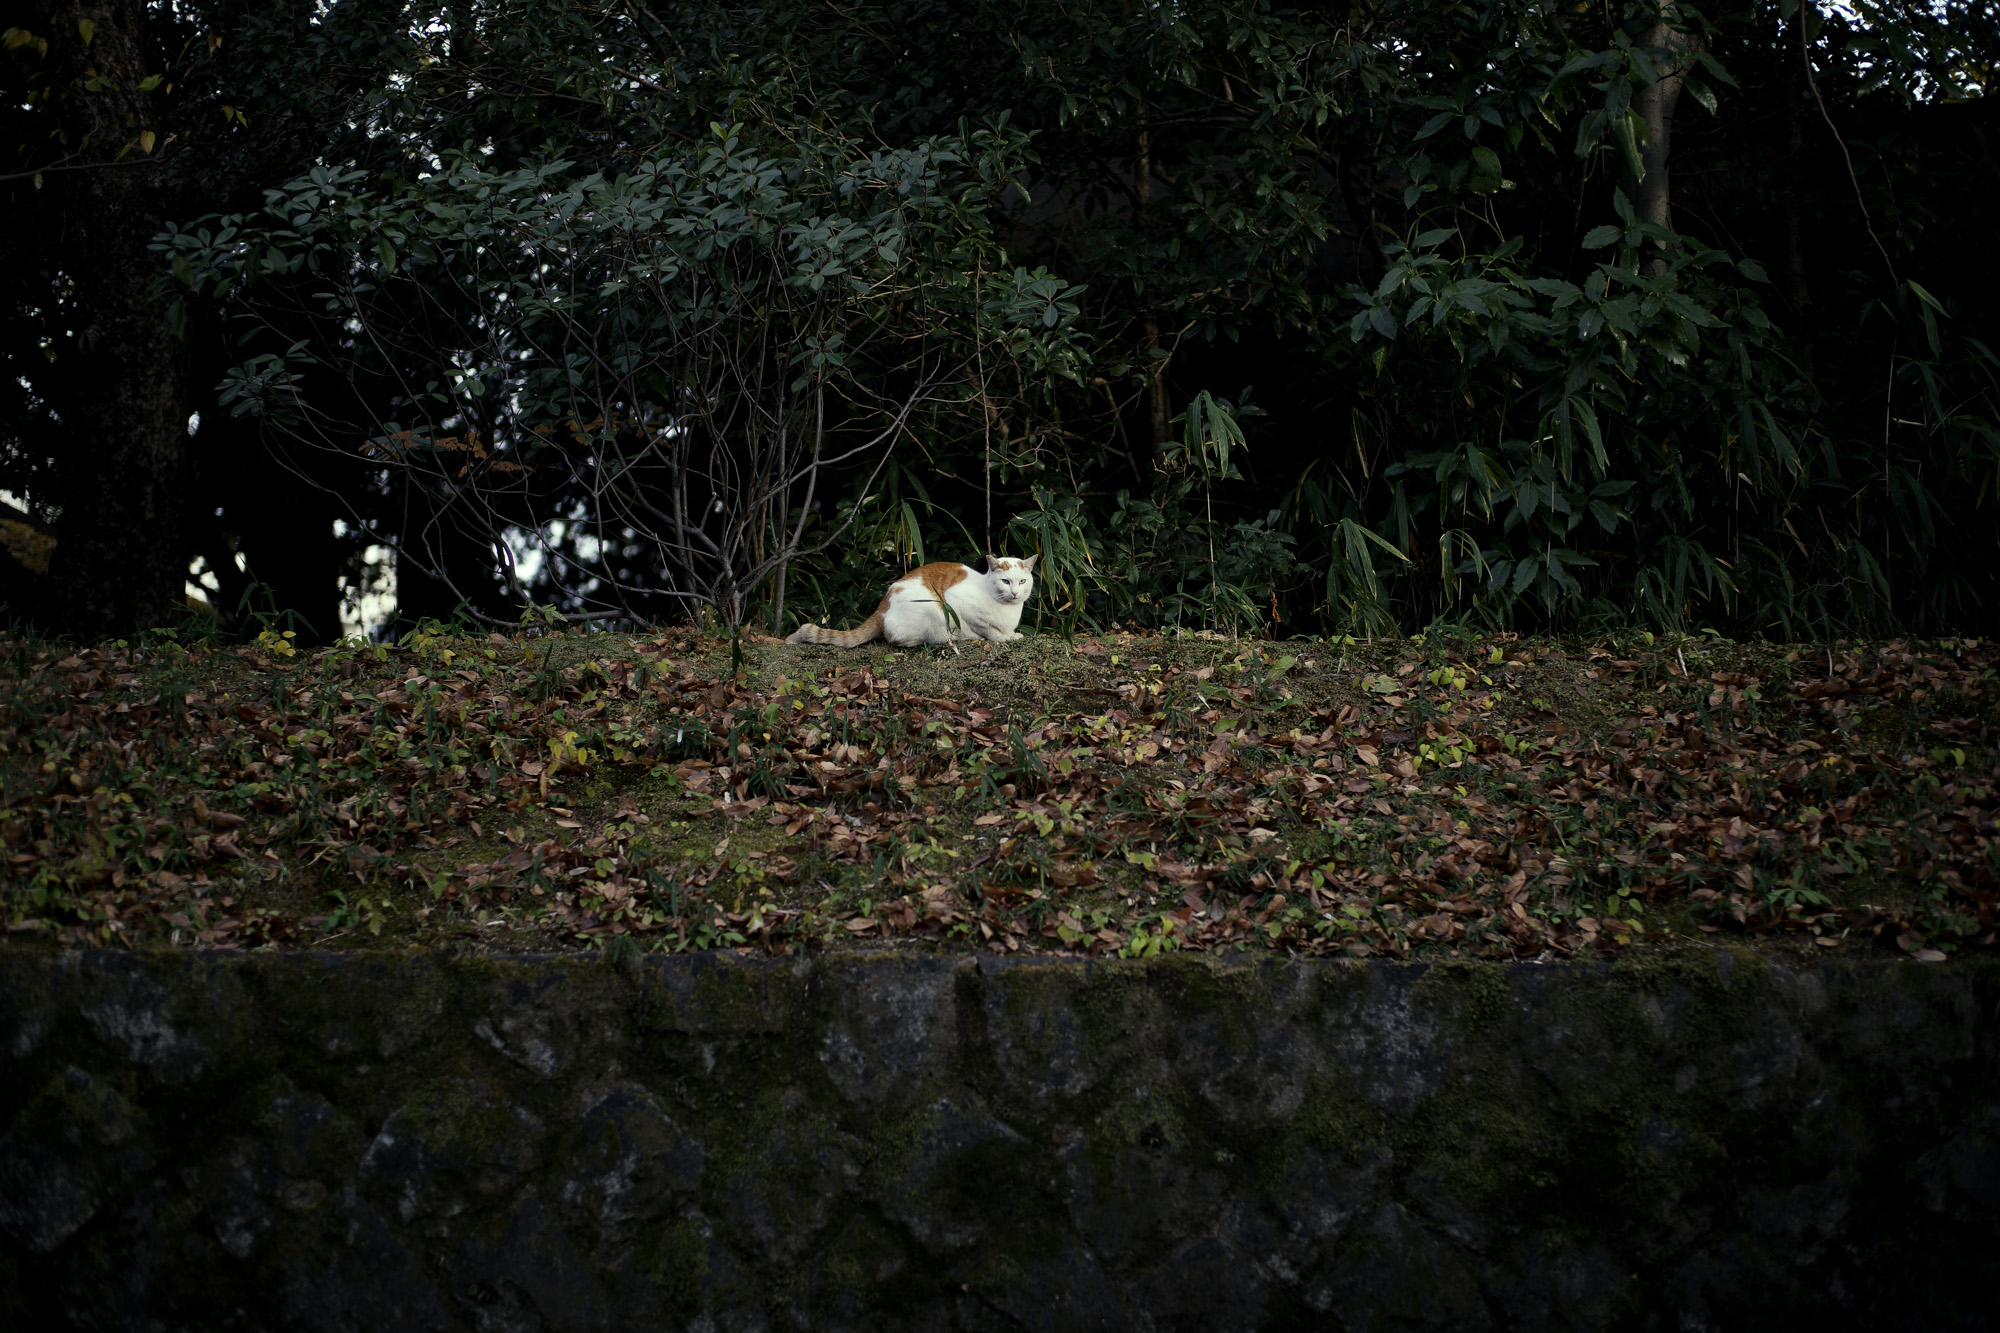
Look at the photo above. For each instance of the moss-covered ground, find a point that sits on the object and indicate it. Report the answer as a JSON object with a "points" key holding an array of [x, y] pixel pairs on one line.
{"points": [[1131, 795]]}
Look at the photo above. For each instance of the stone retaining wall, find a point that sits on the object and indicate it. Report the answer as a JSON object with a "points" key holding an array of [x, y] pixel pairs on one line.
{"points": [[352, 1142]]}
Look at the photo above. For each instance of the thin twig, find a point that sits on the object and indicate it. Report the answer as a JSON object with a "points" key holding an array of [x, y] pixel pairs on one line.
{"points": [[1805, 53]]}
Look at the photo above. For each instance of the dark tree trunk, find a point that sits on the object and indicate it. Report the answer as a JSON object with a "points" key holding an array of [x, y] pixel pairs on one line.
{"points": [[282, 522], [442, 564], [273, 503], [1655, 106], [1158, 404], [294, 553], [121, 561]]}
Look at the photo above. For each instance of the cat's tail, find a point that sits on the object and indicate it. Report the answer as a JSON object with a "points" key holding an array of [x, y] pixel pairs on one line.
{"points": [[867, 630]]}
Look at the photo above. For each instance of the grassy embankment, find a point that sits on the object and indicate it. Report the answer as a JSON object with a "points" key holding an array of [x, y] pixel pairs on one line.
{"points": [[1118, 795]]}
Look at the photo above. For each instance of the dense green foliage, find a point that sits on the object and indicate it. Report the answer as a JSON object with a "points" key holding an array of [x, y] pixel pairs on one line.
{"points": [[680, 351], [1327, 318]]}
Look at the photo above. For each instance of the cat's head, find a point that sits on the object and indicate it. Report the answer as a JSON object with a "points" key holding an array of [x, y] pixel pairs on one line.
{"points": [[1011, 580]]}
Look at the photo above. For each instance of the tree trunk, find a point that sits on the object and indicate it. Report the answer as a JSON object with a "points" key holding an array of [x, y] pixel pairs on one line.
{"points": [[434, 538], [778, 600], [1655, 106], [290, 548], [121, 563], [269, 502], [1158, 407]]}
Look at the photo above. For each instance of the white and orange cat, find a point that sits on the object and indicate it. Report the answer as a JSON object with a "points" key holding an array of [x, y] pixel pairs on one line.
{"points": [[988, 606]]}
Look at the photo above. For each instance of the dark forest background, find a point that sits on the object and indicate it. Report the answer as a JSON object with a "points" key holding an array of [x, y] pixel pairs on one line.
{"points": [[1273, 319]]}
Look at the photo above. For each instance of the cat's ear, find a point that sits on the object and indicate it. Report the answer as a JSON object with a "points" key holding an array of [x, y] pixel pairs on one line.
{"points": [[1029, 563], [992, 561]]}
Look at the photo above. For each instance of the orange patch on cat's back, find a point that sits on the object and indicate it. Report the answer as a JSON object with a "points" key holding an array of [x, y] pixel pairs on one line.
{"points": [[937, 576]]}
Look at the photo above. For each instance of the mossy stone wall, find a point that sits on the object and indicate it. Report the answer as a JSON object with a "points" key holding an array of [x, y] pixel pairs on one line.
{"points": [[348, 1142]]}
